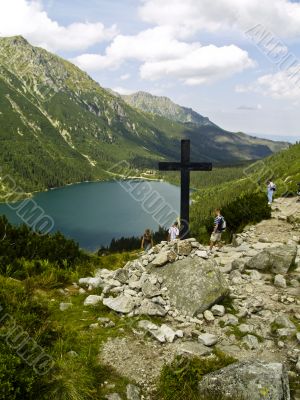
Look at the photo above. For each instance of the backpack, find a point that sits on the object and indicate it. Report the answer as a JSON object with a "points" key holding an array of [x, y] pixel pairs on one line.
{"points": [[222, 225]]}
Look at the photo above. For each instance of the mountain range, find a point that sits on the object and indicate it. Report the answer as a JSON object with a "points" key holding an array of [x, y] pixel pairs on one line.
{"points": [[59, 126]]}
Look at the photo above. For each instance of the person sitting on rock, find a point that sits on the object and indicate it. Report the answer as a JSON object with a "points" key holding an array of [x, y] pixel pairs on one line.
{"points": [[147, 241], [216, 235], [173, 232]]}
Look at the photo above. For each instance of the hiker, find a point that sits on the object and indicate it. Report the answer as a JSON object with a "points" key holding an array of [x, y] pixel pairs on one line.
{"points": [[271, 187], [147, 241], [298, 192], [219, 228], [173, 232]]}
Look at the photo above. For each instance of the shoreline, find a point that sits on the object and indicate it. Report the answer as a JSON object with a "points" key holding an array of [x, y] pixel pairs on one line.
{"points": [[29, 195]]}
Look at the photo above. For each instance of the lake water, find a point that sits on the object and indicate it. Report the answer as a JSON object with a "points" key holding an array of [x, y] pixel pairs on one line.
{"points": [[93, 213]]}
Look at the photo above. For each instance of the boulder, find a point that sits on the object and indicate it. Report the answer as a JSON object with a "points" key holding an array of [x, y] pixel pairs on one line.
{"points": [[184, 247], [277, 259], [94, 283], [122, 304], [250, 341], [121, 275], [161, 259], [193, 285], [249, 380], [162, 333], [92, 300]]}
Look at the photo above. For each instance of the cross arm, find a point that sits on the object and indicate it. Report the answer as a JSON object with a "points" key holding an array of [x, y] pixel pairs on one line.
{"points": [[177, 166]]}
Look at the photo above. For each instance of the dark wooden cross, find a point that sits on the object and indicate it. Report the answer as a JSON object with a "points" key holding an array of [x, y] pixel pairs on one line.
{"points": [[185, 166]]}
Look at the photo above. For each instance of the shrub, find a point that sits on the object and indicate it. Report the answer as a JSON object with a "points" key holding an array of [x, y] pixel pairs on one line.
{"points": [[179, 380]]}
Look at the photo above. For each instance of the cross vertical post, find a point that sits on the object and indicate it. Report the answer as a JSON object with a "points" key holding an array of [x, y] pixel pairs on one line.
{"points": [[185, 190], [185, 167]]}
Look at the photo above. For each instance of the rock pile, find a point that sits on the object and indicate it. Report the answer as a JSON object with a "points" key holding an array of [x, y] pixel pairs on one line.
{"points": [[258, 276]]}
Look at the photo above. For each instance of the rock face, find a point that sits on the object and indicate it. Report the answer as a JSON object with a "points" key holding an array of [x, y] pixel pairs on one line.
{"points": [[277, 260], [248, 381], [204, 284]]}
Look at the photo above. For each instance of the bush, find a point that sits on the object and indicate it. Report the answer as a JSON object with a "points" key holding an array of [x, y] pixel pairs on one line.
{"points": [[248, 208], [179, 380]]}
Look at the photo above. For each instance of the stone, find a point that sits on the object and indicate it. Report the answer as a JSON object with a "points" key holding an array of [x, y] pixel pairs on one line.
{"points": [[113, 396], [133, 392], [193, 285], [255, 275], [277, 259], [194, 349], [92, 300], [121, 275], [184, 247], [161, 333], [230, 319], [122, 304], [245, 328], [208, 316], [147, 307], [171, 256], [161, 259], [201, 253], [218, 310], [94, 283], [279, 281], [253, 380], [65, 306], [207, 339], [283, 321], [150, 290], [298, 336], [251, 342]]}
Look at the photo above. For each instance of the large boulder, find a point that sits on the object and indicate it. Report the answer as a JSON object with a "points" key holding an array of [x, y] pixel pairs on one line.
{"points": [[194, 285], [247, 380], [277, 259]]}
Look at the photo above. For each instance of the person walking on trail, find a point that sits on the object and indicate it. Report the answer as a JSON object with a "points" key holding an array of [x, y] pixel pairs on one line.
{"points": [[173, 232], [147, 241], [271, 187], [219, 228]]}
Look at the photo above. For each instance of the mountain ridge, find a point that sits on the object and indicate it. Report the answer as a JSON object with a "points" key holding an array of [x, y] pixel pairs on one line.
{"points": [[59, 126]]}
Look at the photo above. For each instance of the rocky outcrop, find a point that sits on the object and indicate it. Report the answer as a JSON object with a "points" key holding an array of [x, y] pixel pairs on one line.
{"points": [[277, 260], [193, 284], [248, 381]]}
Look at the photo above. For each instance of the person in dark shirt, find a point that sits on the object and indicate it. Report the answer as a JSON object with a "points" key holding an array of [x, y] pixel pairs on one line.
{"points": [[147, 241]]}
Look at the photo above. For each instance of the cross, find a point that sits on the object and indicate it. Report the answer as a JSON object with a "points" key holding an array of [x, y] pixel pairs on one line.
{"points": [[185, 166]]}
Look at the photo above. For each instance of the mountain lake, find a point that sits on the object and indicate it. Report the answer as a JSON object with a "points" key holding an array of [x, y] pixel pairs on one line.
{"points": [[93, 213]]}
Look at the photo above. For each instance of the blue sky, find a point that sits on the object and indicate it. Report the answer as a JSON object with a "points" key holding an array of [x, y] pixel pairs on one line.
{"points": [[196, 52]]}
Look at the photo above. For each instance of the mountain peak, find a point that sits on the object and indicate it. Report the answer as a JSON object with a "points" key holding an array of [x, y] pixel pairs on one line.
{"points": [[165, 107], [16, 40]]}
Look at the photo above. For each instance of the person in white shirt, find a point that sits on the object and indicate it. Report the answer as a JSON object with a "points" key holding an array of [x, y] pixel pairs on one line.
{"points": [[271, 187], [173, 232]]}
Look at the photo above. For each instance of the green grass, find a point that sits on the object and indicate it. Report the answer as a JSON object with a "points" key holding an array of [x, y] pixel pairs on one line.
{"points": [[179, 380]]}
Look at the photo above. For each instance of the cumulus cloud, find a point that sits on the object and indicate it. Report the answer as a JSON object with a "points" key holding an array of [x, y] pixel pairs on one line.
{"points": [[250, 108], [281, 85], [122, 90], [162, 55], [280, 16], [28, 18]]}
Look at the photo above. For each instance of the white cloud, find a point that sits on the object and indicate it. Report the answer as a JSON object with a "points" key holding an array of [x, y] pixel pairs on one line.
{"points": [[27, 18], [123, 90], [281, 85], [162, 55], [203, 65], [250, 108], [190, 16]]}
